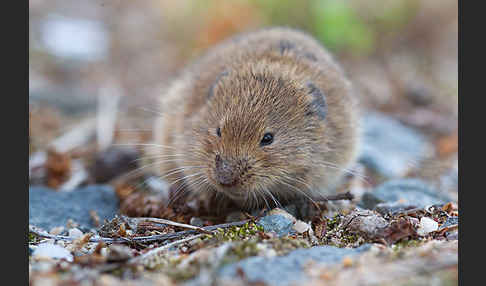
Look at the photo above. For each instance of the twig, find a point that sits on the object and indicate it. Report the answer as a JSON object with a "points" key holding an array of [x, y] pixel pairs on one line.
{"points": [[142, 239], [138, 220], [345, 196], [155, 252]]}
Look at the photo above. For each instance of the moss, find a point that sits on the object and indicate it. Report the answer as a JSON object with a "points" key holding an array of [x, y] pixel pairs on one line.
{"points": [[287, 244], [236, 233], [403, 244], [242, 250], [333, 222], [32, 238]]}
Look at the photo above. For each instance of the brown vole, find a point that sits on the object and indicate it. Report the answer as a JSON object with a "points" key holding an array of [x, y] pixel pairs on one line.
{"points": [[263, 116]]}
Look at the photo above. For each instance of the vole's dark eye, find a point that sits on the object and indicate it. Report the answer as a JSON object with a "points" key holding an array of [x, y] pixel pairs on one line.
{"points": [[267, 139], [218, 132]]}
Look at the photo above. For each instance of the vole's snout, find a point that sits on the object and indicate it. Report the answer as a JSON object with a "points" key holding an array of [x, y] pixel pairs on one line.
{"points": [[226, 174]]}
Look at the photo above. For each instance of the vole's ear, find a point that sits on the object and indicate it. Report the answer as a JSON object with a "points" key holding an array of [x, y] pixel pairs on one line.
{"points": [[318, 104], [218, 78]]}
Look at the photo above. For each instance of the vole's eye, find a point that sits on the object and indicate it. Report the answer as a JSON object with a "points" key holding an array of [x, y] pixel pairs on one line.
{"points": [[267, 139], [218, 132]]}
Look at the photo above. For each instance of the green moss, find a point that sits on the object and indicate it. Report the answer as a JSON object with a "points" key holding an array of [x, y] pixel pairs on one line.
{"points": [[286, 244], [403, 244], [236, 233], [32, 238], [333, 222]]}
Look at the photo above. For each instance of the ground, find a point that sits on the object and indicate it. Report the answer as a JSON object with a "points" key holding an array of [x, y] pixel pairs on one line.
{"points": [[95, 212]]}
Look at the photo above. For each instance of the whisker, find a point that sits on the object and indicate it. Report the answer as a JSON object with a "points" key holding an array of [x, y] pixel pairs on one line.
{"points": [[143, 144]]}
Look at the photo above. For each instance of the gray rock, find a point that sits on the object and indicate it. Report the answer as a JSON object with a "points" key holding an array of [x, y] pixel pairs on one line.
{"points": [[402, 194], [288, 269], [195, 221], [279, 224], [389, 147], [48, 208], [366, 223]]}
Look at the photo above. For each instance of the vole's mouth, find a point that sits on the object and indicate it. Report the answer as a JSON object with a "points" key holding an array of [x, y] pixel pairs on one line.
{"points": [[234, 189]]}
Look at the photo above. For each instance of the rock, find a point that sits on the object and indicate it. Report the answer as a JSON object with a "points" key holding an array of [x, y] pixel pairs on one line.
{"points": [[51, 251], [392, 208], [195, 221], [49, 209], [301, 227], [287, 269], [278, 221], [427, 226], [75, 233], [402, 194], [119, 253], [112, 162], [390, 147], [366, 223]]}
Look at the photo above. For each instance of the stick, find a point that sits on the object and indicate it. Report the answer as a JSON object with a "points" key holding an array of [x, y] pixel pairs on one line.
{"points": [[345, 196], [138, 220], [142, 239], [155, 252]]}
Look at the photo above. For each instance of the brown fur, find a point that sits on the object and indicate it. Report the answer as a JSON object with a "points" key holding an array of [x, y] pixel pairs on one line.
{"points": [[249, 85]]}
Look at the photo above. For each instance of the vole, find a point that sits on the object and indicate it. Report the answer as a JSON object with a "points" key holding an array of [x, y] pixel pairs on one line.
{"points": [[263, 116]]}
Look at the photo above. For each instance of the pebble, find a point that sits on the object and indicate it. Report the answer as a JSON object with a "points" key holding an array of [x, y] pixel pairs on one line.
{"points": [[301, 227], [195, 221], [427, 226], [118, 253], [75, 233], [51, 251], [366, 223], [277, 221]]}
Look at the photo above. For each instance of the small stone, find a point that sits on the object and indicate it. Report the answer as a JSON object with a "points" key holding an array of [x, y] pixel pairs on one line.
{"points": [[427, 226], [347, 262], [366, 223], [301, 227], [75, 233], [51, 251], [278, 211], [195, 221], [118, 253], [278, 221]]}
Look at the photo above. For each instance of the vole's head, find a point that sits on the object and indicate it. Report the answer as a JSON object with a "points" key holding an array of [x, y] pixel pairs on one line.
{"points": [[260, 130]]}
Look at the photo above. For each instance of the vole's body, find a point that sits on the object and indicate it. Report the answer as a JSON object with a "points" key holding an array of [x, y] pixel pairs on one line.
{"points": [[275, 81]]}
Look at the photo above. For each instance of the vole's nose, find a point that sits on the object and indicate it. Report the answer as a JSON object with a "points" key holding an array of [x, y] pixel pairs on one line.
{"points": [[225, 173]]}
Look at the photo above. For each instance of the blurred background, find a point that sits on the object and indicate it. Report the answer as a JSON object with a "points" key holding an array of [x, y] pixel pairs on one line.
{"points": [[97, 67]]}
